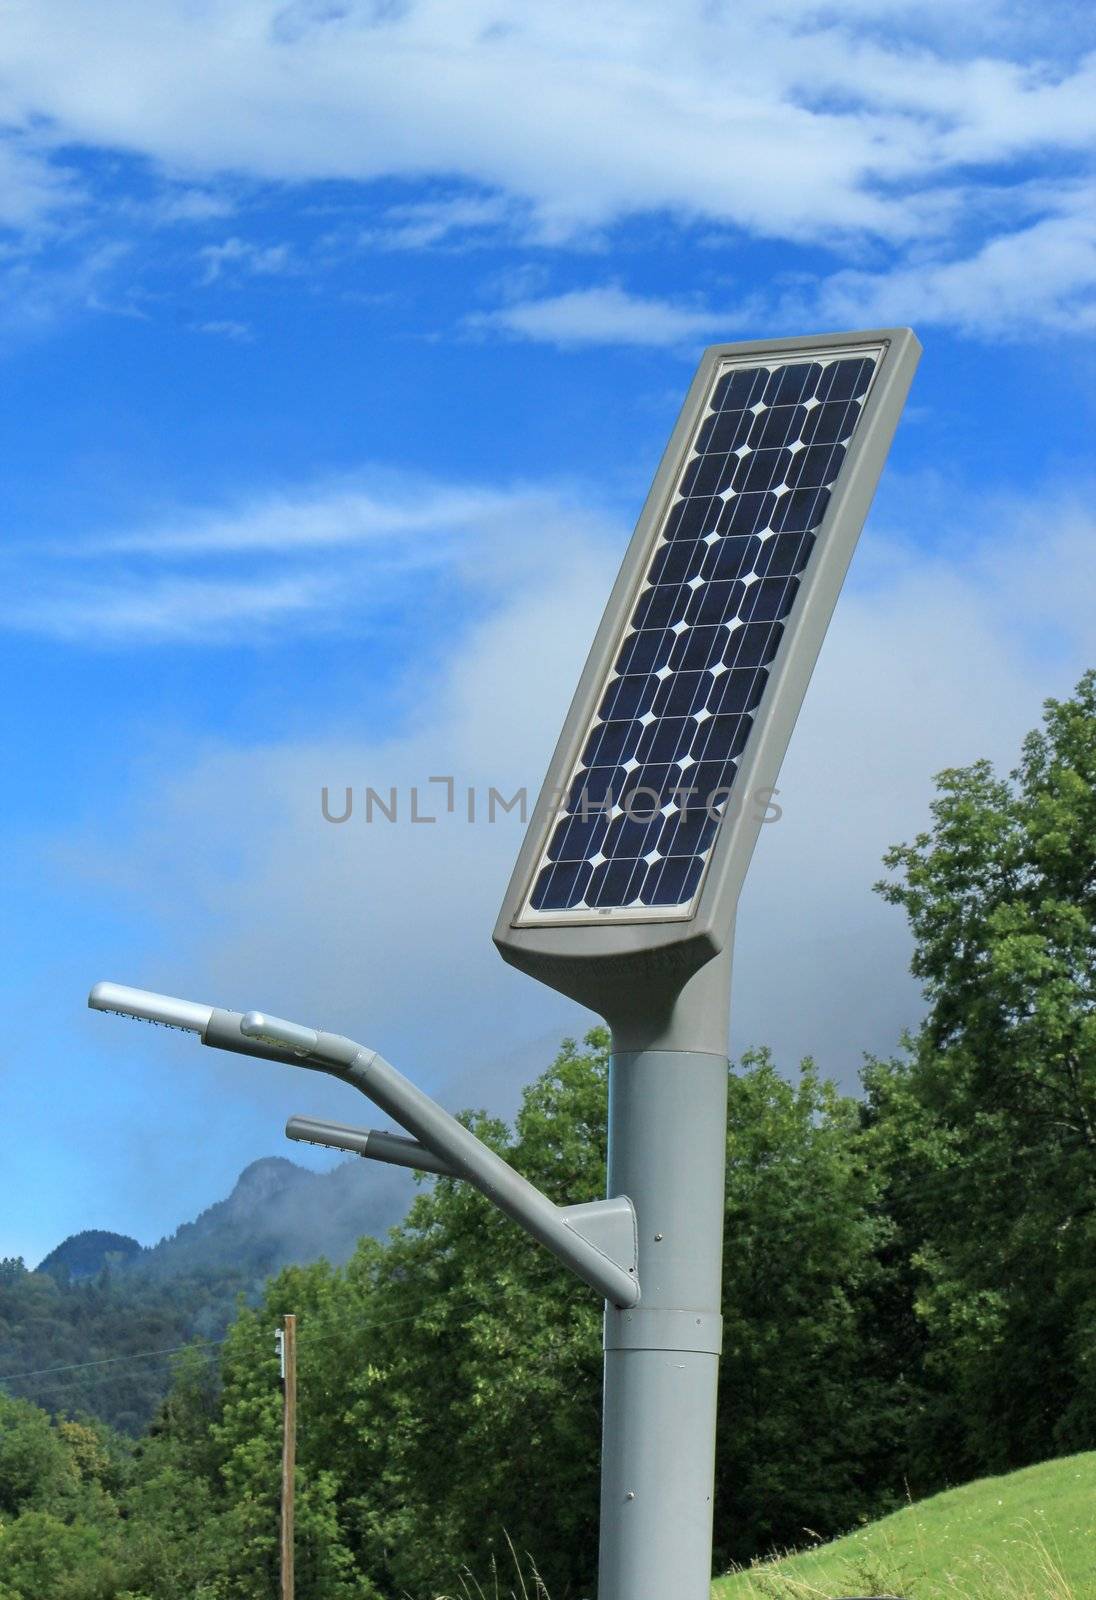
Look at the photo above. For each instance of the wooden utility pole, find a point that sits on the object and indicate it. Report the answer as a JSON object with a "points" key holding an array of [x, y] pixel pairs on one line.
{"points": [[287, 1346]]}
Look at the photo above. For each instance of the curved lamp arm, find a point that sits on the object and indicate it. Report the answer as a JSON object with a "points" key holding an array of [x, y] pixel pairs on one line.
{"points": [[608, 1265]]}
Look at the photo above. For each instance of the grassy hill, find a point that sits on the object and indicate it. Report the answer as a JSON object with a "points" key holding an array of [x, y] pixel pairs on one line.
{"points": [[1028, 1536]]}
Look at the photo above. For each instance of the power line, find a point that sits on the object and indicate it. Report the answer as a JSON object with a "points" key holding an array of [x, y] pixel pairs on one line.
{"points": [[208, 1346], [105, 1361]]}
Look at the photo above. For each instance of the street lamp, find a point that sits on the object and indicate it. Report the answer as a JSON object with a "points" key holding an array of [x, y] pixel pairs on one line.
{"points": [[596, 1240], [626, 886]]}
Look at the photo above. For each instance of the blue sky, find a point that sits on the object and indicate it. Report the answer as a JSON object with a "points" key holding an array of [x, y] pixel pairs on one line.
{"points": [[340, 343]]}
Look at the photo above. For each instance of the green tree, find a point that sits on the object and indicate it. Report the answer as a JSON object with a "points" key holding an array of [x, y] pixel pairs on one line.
{"points": [[811, 1419], [60, 1534], [987, 1128], [35, 1468]]}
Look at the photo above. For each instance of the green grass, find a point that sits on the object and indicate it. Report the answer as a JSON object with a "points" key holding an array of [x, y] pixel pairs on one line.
{"points": [[1028, 1536]]}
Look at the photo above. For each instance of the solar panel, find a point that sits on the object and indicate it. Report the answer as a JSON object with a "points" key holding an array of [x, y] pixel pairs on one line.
{"points": [[656, 773]]}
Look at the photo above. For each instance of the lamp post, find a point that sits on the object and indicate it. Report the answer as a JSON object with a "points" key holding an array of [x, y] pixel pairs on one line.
{"points": [[625, 891]]}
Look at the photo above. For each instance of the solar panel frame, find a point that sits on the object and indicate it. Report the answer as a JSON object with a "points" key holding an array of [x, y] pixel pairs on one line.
{"points": [[555, 944], [655, 602]]}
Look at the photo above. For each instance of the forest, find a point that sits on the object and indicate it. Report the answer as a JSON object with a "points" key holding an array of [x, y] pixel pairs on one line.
{"points": [[92, 1328], [909, 1288]]}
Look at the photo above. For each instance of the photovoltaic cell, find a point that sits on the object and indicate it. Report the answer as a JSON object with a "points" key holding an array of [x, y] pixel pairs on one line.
{"points": [[659, 762]]}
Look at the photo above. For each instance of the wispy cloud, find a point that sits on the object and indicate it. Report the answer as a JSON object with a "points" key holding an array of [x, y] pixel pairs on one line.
{"points": [[237, 332], [327, 516], [607, 315], [457, 220], [164, 611], [41, 292], [319, 561], [182, 205], [243, 256], [34, 188], [1038, 277]]}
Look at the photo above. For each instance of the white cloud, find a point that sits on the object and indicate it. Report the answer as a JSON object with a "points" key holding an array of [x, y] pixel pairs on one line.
{"points": [[1038, 277], [384, 930], [39, 293], [802, 122], [237, 332], [190, 205], [172, 611], [329, 515], [1043, 275], [608, 315], [32, 188], [419, 225], [262, 260], [365, 896], [901, 138]]}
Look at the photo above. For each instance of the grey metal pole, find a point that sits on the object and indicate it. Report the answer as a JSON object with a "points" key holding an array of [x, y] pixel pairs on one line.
{"points": [[667, 1143]]}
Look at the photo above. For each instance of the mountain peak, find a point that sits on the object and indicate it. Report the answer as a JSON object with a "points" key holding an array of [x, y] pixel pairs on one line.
{"points": [[276, 1213], [84, 1255], [279, 1212], [268, 1172]]}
